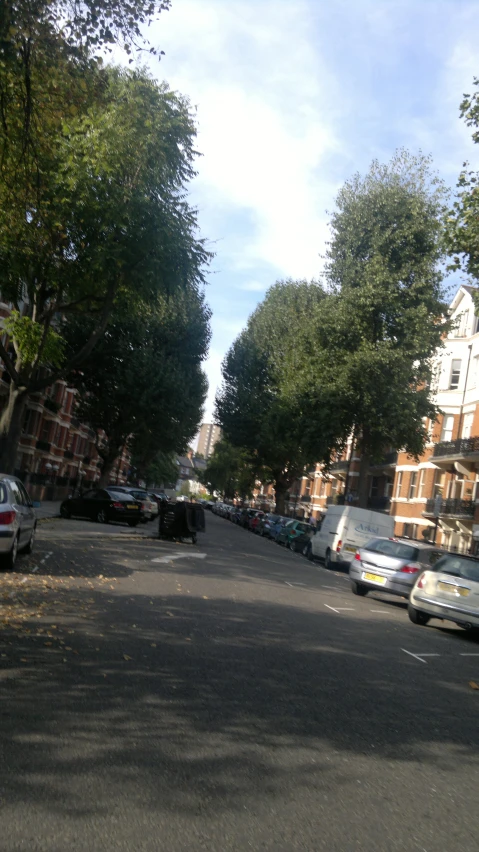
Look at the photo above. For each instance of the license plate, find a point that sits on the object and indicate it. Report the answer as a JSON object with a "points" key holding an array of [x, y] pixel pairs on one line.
{"points": [[374, 578], [131, 506], [453, 590], [350, 549]]}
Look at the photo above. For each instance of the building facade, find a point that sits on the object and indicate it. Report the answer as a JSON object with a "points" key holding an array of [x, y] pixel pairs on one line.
{"points": [[209, 435]]}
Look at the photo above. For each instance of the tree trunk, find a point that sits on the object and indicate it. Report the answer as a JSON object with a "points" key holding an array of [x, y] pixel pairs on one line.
{"points": [[11, 428], [280, 491], [108, 465], [363, 484]]}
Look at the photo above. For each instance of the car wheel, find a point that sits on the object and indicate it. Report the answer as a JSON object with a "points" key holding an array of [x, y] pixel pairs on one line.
{"points": [[29, 546], [9, 559], [306, 548], [101, 516], [358, 589], [65, 512], [309, 552], [416, 616], [132, 523], [327, 560]]}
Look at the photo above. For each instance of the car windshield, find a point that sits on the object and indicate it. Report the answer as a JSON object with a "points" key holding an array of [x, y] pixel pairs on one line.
{"points": [[458, 566], [120, 496], [289, 523], [396, 549]]}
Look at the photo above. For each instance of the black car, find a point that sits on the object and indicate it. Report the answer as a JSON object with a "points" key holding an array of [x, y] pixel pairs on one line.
{"points": [[103, 505]]}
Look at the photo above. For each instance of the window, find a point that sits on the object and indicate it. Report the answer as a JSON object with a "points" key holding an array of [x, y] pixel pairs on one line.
{"points": [[465, 569], [399, 484], [412, 485], [467, 425], [474, 371], [46, 430], [422, 482], [447, 427], [455, 374]]}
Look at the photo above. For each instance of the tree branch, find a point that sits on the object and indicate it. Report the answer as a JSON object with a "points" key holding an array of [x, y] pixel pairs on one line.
{"points": [[8, 364]]}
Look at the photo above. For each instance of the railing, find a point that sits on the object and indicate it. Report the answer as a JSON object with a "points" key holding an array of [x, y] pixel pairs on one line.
{"points": [[460, 447], [450, 507], [387, 460], [379, 504], [339, 465]]}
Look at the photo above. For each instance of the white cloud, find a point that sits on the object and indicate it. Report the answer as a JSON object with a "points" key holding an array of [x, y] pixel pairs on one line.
{"points": [[254, 286], [264, 114]]}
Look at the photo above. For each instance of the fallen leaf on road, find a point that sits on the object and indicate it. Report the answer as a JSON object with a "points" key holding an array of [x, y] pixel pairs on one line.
{"points": [[473, 684], [205, 597], [126, 657], [23, 660], [153, 644]]}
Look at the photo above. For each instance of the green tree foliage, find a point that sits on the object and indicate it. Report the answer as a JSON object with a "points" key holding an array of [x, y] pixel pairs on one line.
{"points": [[231, 471], [162, 470], [385, 317], [261, 406], [463, 220], [143, 386], [108, 218]]}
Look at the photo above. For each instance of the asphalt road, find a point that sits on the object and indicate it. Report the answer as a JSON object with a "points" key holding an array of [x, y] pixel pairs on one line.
{"points": [[226, 697]]}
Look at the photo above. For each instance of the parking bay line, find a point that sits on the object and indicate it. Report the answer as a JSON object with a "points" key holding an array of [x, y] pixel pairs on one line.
{"points": [[420, 658], [340, 609], [42, 562]]}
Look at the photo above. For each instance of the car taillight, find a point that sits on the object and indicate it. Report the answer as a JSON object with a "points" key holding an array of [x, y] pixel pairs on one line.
{"points": [[357, 556], [6, 518], [410, 569], [340, 544], [118, 505], [421, 582]]}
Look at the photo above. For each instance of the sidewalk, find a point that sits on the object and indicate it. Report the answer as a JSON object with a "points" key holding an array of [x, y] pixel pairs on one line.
{"points": [[48, 509]]}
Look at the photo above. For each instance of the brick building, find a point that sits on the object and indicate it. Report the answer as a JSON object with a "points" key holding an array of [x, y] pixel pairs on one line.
{"points": [[57, 453]]}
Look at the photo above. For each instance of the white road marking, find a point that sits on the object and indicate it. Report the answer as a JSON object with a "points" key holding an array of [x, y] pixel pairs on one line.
{"points": [[415, 656], [42, 561], [169, 557], [335, 588], [332, 607], [294, 584], [469, 655], [385, 611]]}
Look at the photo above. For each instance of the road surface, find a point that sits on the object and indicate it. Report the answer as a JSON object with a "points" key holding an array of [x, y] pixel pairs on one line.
{"points": [[227, 697]]}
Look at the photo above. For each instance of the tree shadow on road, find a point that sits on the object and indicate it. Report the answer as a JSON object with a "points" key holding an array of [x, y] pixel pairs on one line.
{"points": [[194, 705]]}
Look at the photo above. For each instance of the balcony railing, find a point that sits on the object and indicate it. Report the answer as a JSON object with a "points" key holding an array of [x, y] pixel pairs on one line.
{"points": [[460, 447], [339, 465], [387, 460], [456, 507]]}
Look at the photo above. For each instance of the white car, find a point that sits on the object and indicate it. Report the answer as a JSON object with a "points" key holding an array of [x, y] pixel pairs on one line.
{"points": [[448, 590], [17, 520]]}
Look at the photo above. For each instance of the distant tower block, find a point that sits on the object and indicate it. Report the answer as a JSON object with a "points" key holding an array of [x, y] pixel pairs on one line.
{"points": [[209, 435]]}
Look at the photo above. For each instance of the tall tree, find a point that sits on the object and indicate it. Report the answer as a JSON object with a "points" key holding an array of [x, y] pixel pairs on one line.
{"points": [[462, 238], [231, 471], [143, 386], [387, 312], [261, 406], [106, 215]]}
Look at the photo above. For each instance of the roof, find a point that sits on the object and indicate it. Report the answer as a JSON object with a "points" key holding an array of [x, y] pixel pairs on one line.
{"points": [[200, 464], [184, 461]]}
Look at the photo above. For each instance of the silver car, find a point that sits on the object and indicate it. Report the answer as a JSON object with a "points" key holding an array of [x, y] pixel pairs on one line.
{"points": [[17, 520], [449, 590], [390, 565]]}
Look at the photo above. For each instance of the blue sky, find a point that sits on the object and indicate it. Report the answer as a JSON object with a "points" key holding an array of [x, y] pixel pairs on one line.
{"points": [[294, 96]]}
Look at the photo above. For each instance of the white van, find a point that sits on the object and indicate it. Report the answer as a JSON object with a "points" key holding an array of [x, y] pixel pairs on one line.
{"points": [[346, 528]]}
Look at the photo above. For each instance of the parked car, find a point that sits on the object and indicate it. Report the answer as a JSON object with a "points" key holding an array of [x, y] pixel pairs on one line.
{"points": [[290, 531], [265, 523], [344, 530], [149, 507], [390, 565], [17, 520], [278, 526], [244, 517], [103, 505], [254, 520], [448, 590], [300, 543]]}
